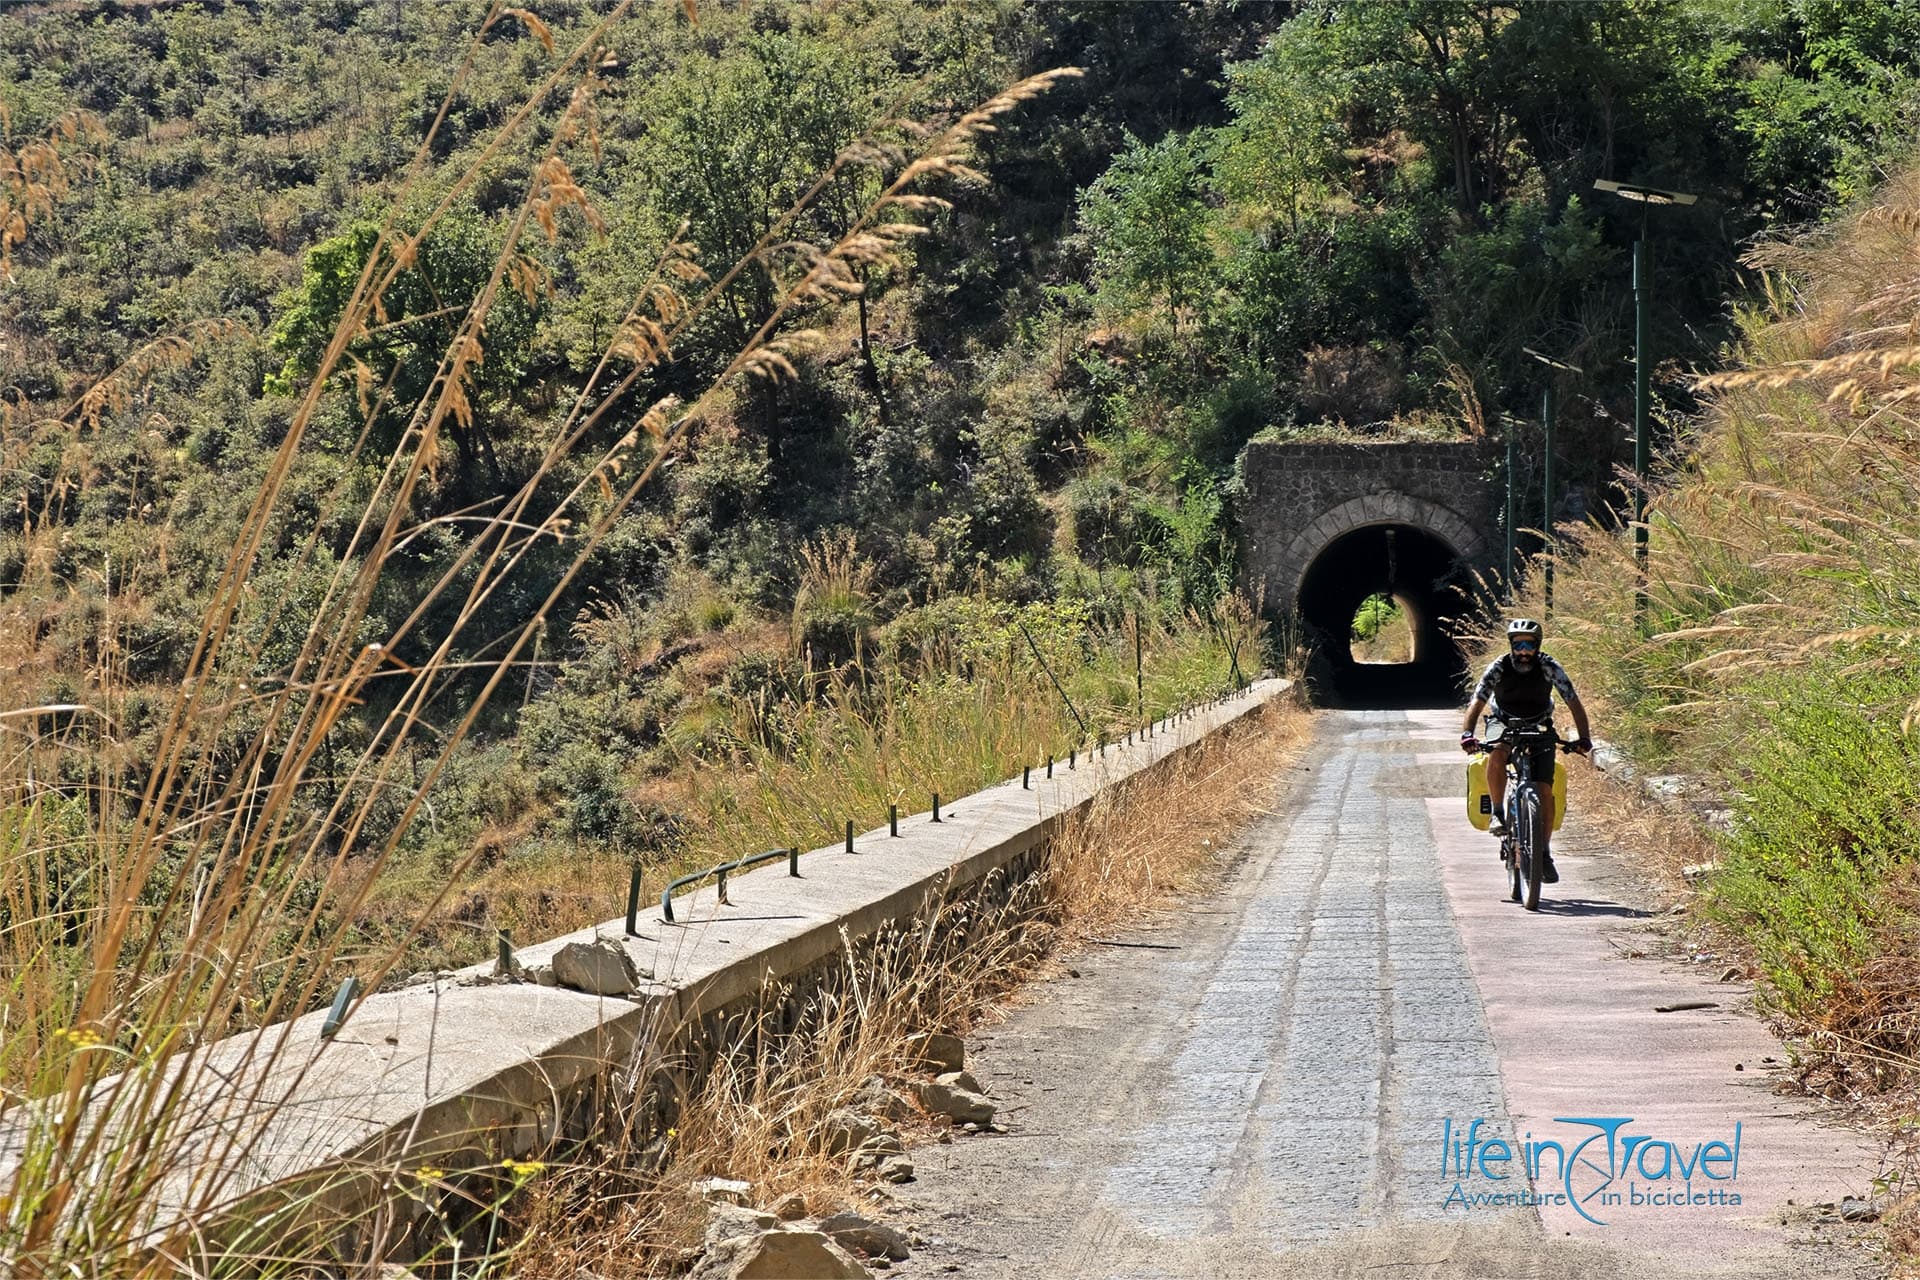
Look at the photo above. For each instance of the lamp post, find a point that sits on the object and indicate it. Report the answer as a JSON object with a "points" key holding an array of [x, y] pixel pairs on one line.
{"points": [[1646, 197], [1512, 434], [1546, 463]]}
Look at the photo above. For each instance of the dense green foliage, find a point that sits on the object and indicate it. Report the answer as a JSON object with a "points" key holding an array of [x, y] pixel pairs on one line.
{"points": [[1402, 200], [1244, 218], [1829, 811]]}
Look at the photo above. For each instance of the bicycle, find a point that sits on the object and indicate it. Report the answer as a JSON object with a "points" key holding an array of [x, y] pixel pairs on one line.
{"points": [[1529, 815]]}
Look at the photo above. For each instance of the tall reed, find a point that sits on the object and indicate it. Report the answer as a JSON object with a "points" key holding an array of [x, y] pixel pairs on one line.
{"points": [[999, 688]]}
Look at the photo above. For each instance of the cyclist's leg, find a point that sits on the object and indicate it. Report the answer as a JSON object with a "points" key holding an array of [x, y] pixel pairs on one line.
{"points": [[1497, 786], [1544, 764]]}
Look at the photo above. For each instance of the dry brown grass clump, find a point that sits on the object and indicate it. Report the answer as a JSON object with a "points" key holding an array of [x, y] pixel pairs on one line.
{"points": [[1663, 840], [1787, 536], [36, 174], [1145, 841]]}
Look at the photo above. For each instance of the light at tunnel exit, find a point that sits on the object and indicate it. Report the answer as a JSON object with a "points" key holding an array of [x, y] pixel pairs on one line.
{"points": [[1382, 631]]}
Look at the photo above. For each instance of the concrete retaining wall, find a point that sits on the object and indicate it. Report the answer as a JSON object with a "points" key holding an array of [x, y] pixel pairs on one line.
{"points": [[458, 1074]]}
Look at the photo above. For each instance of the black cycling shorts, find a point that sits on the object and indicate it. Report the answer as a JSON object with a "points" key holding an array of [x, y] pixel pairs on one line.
{"points": [[1545, 757]]}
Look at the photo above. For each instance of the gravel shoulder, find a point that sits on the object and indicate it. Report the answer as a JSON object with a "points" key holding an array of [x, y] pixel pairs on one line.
{"points": [[1258, 1085]]}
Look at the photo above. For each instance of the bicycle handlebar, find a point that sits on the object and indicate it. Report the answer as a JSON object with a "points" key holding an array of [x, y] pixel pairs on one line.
{"points": [[1570, 746]]}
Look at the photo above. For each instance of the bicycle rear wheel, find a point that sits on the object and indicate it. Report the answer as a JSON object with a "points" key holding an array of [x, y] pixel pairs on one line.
{"points": [[1532, 832], [1516, 880]]}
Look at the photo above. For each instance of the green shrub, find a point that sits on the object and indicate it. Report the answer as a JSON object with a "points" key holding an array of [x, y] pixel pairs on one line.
{"points": [[1830, 807], [1376, 613]]}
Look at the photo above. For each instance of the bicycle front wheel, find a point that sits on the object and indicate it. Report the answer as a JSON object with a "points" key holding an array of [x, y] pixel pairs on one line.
{"points": [[1532, 832]]}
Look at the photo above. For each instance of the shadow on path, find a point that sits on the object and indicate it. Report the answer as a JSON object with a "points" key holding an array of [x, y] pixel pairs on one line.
{"points": [[1591, 907]]}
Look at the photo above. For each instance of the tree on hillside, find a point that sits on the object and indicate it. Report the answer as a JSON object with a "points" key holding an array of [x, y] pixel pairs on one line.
{"points": [[733, 143], [1432, 68], [1147, 224], [1279, 156], [395, 361]]}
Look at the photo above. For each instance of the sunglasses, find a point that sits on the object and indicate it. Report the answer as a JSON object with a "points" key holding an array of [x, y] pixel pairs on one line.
{"points": [[1525, 646]]}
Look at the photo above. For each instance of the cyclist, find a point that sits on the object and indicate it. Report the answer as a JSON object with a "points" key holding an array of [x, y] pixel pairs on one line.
{"points": [[1517, 691]]}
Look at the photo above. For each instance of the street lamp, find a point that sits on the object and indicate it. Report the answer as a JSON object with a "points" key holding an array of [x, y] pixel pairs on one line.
{"points": [[1506, 572], [1546, 421], [1646, 197]]}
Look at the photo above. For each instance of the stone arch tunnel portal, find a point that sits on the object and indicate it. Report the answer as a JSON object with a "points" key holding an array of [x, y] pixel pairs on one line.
{"points": [[1423, 574], [1326, 524]]}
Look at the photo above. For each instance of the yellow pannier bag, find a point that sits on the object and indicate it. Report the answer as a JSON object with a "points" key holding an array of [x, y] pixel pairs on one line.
{"points": [[1559, 793], [1480, 802]]}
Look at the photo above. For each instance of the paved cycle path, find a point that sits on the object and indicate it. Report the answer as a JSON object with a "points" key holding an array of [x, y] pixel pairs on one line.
{"points": [[1262, 1086]]}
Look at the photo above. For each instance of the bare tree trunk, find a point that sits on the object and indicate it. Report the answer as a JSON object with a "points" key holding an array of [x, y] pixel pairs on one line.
{"points": [[1463, 165], [866, 354]]}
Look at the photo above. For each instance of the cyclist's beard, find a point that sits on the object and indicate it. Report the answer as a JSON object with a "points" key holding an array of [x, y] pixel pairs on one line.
{"points": [[1524, 661]]}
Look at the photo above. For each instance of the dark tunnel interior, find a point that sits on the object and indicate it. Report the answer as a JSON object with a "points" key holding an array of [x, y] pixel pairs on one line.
{"points": [[1420, 572]]}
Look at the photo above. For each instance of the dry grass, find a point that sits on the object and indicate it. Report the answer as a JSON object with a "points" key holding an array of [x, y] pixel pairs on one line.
{"points": [[165, 902], [948, 712], [1786, 539], [761, 1114], [1664, 839], [1166, 837], [36, 174]]}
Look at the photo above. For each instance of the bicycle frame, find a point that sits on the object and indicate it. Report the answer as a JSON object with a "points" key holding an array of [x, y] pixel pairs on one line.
{"points": [[1523, 849]]}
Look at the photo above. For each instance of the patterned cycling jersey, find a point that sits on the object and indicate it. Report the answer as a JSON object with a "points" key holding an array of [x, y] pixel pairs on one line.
{"points": [[1523, 695]]}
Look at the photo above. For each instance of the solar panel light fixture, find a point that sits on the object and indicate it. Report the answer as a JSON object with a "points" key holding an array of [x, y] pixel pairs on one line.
{"points": [[1548, 360], [1641, 192]]}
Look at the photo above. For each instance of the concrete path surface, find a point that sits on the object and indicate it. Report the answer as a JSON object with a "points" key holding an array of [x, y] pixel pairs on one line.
{"points": [[1346, 1063]]}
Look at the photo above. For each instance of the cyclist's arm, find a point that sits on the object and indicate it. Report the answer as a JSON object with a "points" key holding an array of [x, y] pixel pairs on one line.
{"points": [[1563, 685], [1482, 693], [1579, 713], [1473, 714]]}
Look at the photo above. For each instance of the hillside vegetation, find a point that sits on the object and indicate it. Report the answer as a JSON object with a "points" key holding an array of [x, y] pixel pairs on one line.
{"points": [[1238, 219], [1780, 657], [451, 453]]}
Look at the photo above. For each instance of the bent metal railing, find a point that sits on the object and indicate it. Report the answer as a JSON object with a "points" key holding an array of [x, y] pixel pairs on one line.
{"points": [[719, 873]]}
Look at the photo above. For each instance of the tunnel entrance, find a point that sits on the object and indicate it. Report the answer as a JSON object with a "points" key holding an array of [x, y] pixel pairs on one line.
{"points": [[1421, 575]]}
